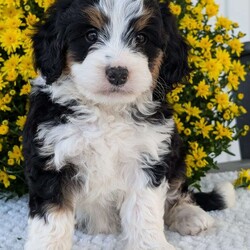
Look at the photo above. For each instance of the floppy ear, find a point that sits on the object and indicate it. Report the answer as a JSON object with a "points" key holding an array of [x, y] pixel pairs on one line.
{"points": [[175, 64], [49, 47]]}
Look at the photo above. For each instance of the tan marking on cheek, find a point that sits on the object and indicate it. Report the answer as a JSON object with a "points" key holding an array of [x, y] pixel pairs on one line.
{"points": [[155, 67], [96, 18], [69, 62]]}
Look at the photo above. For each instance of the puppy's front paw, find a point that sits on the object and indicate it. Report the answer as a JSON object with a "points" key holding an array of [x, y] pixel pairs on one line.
{"points": [[190, 220]]}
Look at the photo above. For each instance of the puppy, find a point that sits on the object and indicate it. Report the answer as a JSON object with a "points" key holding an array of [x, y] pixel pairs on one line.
{"points": [[100, 143]]}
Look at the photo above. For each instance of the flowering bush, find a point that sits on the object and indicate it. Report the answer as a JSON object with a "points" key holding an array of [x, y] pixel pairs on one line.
{"points": [[16, 68], [204, 108]]}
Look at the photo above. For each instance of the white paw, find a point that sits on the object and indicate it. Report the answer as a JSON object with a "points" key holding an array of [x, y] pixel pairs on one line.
{"points": [[189, 219]]}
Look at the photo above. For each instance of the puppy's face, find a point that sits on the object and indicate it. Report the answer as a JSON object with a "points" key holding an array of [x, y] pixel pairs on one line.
{"points": [[112, 50], [115, 49]]}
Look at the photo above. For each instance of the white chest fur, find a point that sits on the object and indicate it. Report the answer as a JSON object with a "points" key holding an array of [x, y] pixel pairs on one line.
{"points": [[106, 145]]}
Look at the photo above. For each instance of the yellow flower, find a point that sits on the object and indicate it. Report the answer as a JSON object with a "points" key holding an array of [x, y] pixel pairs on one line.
{"points": [[222, 131], [212, 67], [197, 11], [179, 124], [178, 89], [4, 108], [246, 127], [238, 69], [223, 22], [7, 99], [11, 162], [13, 23], [224, 58], [187, 22], [207, 28], [243, 133], [187, 131], [44, 4], [241, 34], [192, 40], [188, 171], [233, 81], [5, 178], [199, 156], [10, 40], [210, 106], [16, 154], [26, 68], [205, 2], [242, 110], [240, 96], [12, 92], [243, 179], [21, 121], [202, 128], [191, 111], [222, 100], [11, 63], [205, 43], [11, 75], [178, 108], [226, 116], [234, 109], [31, 19], [4, 129], [175, 9], [212, 9], [236, 46], [190, 162], [193, 145], [25, 89], [202, 89], [176, 98], [3, 84], [12, 12], [219, 39]]}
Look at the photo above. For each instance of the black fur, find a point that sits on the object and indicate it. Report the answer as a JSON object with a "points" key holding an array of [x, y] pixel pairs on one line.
{"points": [[175, 65], [45, 185], [172, 166], [209, 201], [52, 40]]}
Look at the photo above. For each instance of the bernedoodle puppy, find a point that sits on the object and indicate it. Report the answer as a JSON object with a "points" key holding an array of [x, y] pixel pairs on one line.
{"points": [[100, 144]]}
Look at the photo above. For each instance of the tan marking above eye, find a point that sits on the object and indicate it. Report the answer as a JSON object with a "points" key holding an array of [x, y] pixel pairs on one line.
{"points": [[96, 18], [143, 20]]}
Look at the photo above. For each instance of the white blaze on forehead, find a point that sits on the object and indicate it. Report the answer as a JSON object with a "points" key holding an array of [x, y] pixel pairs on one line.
{"points": [[120, 13]]}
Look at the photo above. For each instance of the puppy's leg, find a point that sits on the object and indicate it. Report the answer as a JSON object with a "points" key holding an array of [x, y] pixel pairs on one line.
{"points": [[185, 217], [142, 218], [54, 231], [97, 217], [52, 208]]}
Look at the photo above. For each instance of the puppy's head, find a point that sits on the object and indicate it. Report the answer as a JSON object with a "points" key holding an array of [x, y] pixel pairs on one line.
{"points": [[114, 51]]}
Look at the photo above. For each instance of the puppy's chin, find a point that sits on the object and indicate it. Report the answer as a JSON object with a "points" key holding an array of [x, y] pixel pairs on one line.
{"points": [[112, 96]]}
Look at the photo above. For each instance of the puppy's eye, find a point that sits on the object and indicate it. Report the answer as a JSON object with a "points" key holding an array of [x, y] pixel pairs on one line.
{"points": [[140, 39], [92, 36]]}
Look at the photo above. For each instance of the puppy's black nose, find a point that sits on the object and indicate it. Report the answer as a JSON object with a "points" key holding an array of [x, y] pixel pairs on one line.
{"points": [[117, 75]]}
